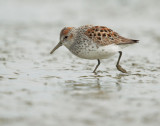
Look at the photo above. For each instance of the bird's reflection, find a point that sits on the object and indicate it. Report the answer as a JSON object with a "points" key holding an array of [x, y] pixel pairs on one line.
{"points": [[97, 81], [118, 82], [97, 78]]}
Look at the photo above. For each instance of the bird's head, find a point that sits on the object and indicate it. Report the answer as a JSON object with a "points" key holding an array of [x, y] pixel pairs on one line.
{"points": [[66, 38]]}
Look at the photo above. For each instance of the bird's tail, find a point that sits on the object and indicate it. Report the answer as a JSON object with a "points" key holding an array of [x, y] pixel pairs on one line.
{"points": [[127, 41]]}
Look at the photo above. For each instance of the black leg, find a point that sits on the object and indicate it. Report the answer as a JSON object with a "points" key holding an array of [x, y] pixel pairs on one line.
{"points": [[118, 66], [97, 66]]}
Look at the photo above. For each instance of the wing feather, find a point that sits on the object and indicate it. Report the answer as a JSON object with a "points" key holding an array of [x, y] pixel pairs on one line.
{"points": [[105, 36]]}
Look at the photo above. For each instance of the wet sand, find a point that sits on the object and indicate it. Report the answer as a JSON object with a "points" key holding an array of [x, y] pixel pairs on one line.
{"points": [[37, 88]]}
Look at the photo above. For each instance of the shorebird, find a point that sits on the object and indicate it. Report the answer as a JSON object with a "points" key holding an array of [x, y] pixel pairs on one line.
{"points": [[94, 42]]}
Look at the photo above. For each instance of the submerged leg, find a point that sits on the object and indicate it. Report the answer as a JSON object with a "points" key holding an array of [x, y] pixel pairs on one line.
{"points": [[97, 66], [118, 66]]}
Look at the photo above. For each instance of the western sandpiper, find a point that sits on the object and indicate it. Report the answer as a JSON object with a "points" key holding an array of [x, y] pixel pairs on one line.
{"points": [[93, 42]]}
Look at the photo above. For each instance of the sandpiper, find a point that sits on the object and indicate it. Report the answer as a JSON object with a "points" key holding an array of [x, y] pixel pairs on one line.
{"points": [[93, 42]]}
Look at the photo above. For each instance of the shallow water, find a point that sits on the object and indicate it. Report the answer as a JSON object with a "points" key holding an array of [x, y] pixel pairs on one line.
{"points": [[60, 89]]}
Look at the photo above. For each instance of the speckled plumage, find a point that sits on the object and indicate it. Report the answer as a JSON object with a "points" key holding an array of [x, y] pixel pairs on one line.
{"points": [[92, 42]]}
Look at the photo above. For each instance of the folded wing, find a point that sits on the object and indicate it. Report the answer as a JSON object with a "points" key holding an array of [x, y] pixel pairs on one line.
{"points": [[105, 36]]}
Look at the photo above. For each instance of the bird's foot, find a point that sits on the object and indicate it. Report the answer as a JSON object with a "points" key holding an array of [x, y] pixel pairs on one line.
{"points": [[121, 69], [94, 72]]}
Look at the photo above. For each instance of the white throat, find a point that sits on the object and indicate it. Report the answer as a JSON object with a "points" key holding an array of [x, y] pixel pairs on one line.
{"points": [[68, 44]]}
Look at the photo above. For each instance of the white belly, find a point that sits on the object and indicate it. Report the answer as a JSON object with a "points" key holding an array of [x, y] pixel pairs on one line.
{"points": [[103, 52]]}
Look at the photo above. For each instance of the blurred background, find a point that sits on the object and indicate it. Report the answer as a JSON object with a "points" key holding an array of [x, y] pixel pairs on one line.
{"points": [[37, 88]]}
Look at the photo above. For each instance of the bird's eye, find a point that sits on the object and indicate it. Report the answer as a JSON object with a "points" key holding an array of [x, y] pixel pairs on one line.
{"points": [[65, 37]]}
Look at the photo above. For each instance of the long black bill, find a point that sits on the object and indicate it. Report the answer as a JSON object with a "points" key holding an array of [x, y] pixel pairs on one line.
{"points": [[56, 47]]}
